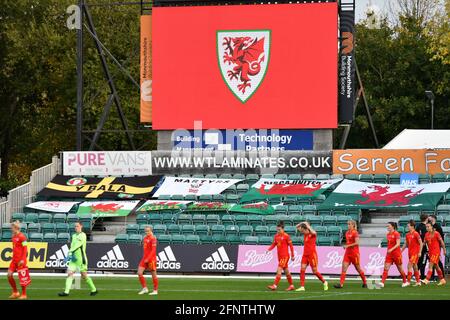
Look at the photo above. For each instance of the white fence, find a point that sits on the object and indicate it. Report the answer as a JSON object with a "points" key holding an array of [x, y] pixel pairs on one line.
{"points": [[24, 194]]}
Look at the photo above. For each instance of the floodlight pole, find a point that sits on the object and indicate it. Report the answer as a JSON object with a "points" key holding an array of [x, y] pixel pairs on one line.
{"points": [[79, 126]]}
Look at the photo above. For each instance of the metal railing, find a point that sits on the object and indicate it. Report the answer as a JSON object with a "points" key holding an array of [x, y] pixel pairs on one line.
{"points": [[24, 194]]}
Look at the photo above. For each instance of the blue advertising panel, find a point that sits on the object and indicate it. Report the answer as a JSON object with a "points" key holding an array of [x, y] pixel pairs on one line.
{"points": [[245, 140], [409, 179]]}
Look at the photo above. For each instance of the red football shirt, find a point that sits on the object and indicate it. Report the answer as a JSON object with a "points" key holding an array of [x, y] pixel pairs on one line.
{"points": [[413, 242], [351, 237], [309, 243], [283, 243], [433, 242], [149, 244], [392, 238], [19, 242]]}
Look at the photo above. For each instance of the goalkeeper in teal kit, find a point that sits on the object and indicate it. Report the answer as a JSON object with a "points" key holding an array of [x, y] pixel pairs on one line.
{"points": [[78, 261]]}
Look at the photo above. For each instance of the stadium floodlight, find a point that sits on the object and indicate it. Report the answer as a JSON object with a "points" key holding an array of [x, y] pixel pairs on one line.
{"points": [[430, 96]]}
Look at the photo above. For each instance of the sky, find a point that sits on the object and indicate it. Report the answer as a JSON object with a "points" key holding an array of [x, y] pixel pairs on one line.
{"points": [[361, 7]]}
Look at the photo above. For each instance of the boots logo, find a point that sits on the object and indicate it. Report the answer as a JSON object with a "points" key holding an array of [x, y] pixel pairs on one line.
{"points": [[113, 259], [218, 261], [167, 261], [56, 260]]}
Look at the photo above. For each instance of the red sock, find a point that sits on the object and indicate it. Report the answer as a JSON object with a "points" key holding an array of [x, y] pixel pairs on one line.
{"points": [[384, 277], [429, 274], [417, 275], [440, 275], [302, 278], [363, 277], [409, 276], [12, 283], [155, 283], [318, 275], [142, 281], [24, 291], [342, 278], [277, 280], [289, 279], [402, 273]]}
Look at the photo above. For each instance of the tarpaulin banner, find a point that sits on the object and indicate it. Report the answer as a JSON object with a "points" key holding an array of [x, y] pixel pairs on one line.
{"points": [[52, 206], [239, 66], [253, 258], [276, 188], [100, 188], [100, 209], [106, 163], [159, 205], [146, 68], [361, 195], [193, 186], [386, 161], [209, 206], [37, 253], [253, 208]]}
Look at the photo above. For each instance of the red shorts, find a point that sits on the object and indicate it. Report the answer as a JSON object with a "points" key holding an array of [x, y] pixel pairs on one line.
{"points": [[283, 262], [14, 266], [310, 259], [434, 258], [351, 258], [413, 257], [151, 265], [394, 258]]}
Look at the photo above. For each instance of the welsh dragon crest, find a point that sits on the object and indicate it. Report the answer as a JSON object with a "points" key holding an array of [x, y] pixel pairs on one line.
{"points": [[243, 59]]}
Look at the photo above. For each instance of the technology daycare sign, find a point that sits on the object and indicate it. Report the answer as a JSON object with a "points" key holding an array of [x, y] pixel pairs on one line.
{"points": [[247, 140], [106, 163], [386, 161]]}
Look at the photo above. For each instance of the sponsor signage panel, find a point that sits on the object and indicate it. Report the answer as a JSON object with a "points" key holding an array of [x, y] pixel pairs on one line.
{"points": [[384, 161], [37, 253], [245, 140], [409, 179], [106, 163], [247, 71], [146, 69]]}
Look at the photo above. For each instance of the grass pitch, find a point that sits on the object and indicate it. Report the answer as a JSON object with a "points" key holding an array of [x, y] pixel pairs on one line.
{"points": [[185, 288]]}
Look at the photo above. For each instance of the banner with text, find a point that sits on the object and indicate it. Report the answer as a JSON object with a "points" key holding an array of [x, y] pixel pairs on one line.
{"points": [[37, 253], [160, 205], [52, 206], [146, 68]]}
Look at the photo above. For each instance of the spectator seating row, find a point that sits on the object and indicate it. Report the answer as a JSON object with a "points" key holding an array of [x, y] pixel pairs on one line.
{"points": [[41, 218], [62, 237]]}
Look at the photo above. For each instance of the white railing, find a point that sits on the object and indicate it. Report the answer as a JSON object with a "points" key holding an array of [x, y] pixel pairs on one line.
{"points": [[24, 194]]}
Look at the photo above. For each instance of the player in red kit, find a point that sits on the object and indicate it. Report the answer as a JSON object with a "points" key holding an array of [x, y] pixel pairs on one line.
{"points": [[414, 244], [148, 262], [309, 255], [351, 255], [18, 262], [434, 242], [394, 254], [283, 243]]}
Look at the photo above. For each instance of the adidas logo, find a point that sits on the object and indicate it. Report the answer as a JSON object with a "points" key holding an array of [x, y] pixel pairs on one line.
{"points": [[166, 260], [218, 261], [56, 260], [113, 259]]}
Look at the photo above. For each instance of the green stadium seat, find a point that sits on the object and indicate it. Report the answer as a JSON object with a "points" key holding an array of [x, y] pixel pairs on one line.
{"points": [[241, 219], [281, 209], [365, 178], [309, 176], [318, 200], [154, 218], [198, 219], [321, 231], [159, 229], [190, 197], [380, 178], [6, 227], [164, 197], [184, 219], [255, 220], [337, 176], [447, 197], [401, 230], [297, 241], [174, 229], [232, 198], [192, 239], [313, 219], [62, 227], [31, 218], [48, 227], [446, 230], [188, 229], [23, 227], [142, 228], [295, 209], [205, 198], [198, 176], [50, 237], [309, 209], [18, 216], [230, 190], [403, 220], [342, 221], [245, 230], [59, 218], [6, 236], [72, 218], [218, 198], [394, 178], [329, 221], [275, 200], [443, 210], [265, 240], [206, 239], [166, 218], [447, 220], [271, 220], [297, 218], [383, 243], [352, 176], [34, 227], [226, 176], [281, 176], [290, 201], [212, 219], [217, 229], [439, 177], [325, 241], [242, 188], [261, 230], [323, 176], [44, 217], [324, 212], [164, 238], [227, 220], [178, 239], [251, 240], [232, 230], [219, 239], [132, 229], [272, 230], [294, 176], [135, 238], [251, 178], [63, 237], [201, 229], [142, 218], [211, 176], [36, 237], [424, 178], [233, 239], [290, 230], [177, 197], [340, 212], [335, 233]]}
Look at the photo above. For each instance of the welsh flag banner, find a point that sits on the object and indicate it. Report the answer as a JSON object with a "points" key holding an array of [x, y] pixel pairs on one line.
{"points": [[276, 188], [355, 194], [107, 208], [254, 208], [209, 206], [157, 205]]}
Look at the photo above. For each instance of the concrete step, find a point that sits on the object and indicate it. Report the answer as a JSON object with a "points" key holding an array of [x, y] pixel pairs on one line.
{"points": [[384, 220], [369, 242]]}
